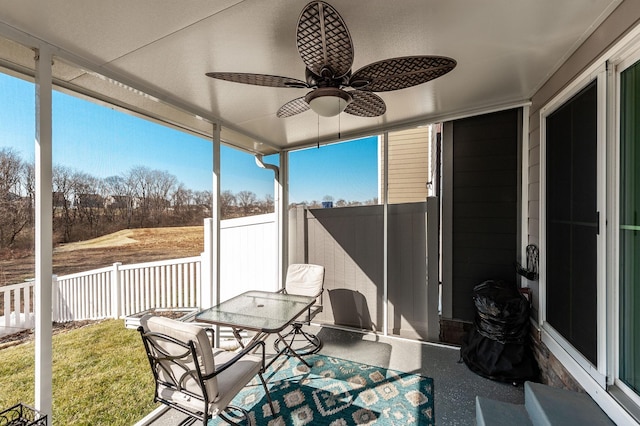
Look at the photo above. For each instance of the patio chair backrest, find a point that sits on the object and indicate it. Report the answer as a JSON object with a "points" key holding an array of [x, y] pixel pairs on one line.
{"points": [[305, 279], [176, 369]]}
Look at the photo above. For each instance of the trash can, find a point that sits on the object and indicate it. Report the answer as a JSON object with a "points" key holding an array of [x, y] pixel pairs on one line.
{"points": [[498, 346]]}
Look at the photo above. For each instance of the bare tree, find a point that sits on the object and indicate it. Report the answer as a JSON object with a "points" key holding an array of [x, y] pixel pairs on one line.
{"points": [[268, 204], [88, 201], [246, 200], [182, 201], [118, 199], [138, 184], [15, 204], [63, 214], [162, 186], [227, 202]]}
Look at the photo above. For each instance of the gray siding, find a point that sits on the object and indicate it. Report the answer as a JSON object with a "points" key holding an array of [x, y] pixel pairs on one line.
{"points": [[484, 204]]}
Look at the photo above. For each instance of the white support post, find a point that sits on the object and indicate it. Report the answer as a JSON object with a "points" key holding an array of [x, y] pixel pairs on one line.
{"points": [[44, 233], [385, 249], [215, 243], [282, 186], [116, 296], [215, 232]]}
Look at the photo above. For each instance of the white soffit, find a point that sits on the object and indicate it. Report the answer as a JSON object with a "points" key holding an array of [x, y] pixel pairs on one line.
{"points": [[505, 52]]}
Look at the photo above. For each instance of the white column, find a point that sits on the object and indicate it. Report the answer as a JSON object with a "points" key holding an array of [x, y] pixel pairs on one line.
{"points": [[215, 216], [282, 186], [385, 250], [44, 234]]}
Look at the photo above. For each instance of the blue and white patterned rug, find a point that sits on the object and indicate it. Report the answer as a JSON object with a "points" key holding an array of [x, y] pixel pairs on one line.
{"points": [[337, 392]]}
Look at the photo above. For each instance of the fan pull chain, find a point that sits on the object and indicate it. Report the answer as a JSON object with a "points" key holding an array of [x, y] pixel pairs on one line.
{"points": [[318, 131]]}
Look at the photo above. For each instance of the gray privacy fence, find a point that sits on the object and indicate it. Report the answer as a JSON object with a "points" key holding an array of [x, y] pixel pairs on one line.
{"points": [[350, 243]]}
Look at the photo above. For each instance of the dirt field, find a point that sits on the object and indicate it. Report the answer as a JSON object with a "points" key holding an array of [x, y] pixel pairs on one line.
{"points": [[127, 246]]}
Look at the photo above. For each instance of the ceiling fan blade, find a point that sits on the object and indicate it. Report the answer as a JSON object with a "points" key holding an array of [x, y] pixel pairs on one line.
{"points": [[365, 104], [399, 73], [323, 40], [258, 79], [293, 107]]}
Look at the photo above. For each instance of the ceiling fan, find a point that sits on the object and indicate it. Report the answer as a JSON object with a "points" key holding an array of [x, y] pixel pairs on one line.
{"points": [[325, 46]]}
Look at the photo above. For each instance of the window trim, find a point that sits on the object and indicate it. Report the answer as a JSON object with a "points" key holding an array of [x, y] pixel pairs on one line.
{"points": [[614, 402]]}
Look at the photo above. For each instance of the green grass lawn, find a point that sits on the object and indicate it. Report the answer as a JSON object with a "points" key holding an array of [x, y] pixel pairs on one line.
{"points": [[101, 376]]}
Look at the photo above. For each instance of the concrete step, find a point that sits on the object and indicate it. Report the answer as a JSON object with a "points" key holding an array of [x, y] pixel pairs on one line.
{"points": [[543, 406], [497, 413], [547, 405]]}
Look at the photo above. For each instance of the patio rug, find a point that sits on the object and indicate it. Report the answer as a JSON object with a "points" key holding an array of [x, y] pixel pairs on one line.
{"points": [[337, 392]]}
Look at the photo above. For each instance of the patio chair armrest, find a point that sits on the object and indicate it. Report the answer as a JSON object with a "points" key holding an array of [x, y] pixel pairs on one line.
{"points": [[244, 352]]}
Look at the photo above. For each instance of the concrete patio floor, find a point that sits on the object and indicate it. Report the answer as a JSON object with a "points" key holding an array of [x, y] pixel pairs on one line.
{"points": [[455, 386]]}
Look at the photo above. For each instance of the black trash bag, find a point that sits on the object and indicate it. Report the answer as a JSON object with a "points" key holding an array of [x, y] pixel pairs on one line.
{"points": [[505, 362], [502, 312], [498, 345]]}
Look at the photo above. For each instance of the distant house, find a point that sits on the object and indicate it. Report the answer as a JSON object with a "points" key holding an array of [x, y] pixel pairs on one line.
{"points": [[120, 202], [89, 201], [59, 200]]}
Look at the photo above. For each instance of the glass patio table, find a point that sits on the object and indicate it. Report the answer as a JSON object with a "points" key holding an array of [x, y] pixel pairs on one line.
{"points": [[263, 312]]}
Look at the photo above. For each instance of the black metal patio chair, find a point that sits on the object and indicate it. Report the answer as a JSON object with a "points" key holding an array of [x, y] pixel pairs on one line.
{"points": [[194, 378]]}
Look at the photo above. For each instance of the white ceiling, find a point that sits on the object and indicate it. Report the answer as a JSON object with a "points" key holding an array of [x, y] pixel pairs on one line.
{"points": [[505, 51]]}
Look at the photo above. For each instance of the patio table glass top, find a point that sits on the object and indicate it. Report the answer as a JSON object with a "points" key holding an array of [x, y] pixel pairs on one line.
{"points": [[263, 311]]}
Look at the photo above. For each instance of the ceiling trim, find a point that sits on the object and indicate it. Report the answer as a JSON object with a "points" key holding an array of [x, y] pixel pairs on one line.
{"points": [[409, 124]]}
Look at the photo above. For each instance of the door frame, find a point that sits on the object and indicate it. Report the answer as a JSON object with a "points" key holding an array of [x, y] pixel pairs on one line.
{"points": [[622, 61], [561, 348]]}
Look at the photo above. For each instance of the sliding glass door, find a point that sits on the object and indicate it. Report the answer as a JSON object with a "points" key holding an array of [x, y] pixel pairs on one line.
{"points": [[629, 232], [572, 221]]}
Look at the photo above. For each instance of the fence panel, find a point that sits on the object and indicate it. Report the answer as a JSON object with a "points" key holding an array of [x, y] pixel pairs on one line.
{"points": [[248, 255], [248, 261], [161, 284]]}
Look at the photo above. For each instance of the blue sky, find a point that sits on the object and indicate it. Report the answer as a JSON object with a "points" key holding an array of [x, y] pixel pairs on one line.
{"points": [[104, 142]]}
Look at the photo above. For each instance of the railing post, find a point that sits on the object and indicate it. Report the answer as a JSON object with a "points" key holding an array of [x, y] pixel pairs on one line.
{"points": [[206, 284], [7, 308], [55, 299], [115, 291]]}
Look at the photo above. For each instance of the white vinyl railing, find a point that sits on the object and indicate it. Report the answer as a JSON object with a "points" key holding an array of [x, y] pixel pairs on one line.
{"points": [[120, 290], [111, 292], [16, 306], [163, 284]]}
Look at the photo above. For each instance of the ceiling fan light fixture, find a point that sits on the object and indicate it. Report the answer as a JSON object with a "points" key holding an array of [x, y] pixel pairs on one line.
{"points": [[328, 101]]}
